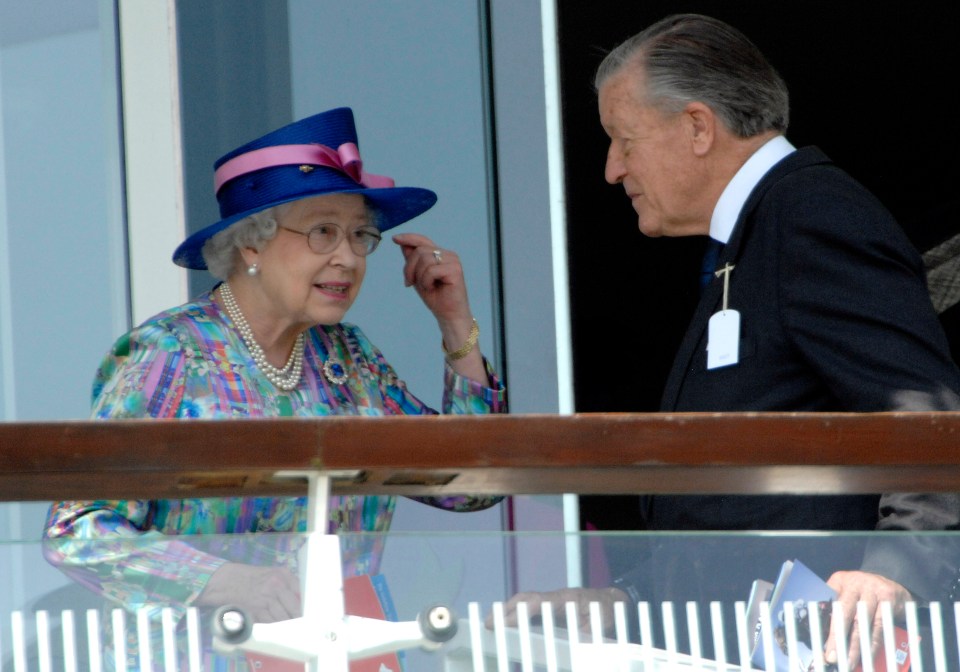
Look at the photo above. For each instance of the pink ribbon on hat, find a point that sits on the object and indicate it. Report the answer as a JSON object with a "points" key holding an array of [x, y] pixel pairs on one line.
{"points": [[346, 159]]}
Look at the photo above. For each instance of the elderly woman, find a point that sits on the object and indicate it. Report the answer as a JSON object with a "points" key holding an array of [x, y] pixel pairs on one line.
{"points": [[299, 218]]}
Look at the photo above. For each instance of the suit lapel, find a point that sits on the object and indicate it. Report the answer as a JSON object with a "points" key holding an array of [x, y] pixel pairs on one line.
{"points": [[712, 294], [709, 303]]}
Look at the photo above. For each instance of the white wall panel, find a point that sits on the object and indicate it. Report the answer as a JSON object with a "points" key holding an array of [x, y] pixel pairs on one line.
{"points": [[154, 168]]}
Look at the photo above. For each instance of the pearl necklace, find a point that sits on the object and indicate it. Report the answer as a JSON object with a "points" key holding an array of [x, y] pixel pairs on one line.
{"points": [[286, 378]]}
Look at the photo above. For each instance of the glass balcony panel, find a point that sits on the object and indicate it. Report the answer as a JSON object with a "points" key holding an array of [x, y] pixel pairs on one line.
{"points": [[442, 601]]}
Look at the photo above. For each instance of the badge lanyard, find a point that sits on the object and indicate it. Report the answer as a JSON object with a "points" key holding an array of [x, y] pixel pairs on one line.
{"points": [[723, 329]]}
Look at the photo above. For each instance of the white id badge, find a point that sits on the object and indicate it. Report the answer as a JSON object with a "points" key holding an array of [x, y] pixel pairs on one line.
{"points": [[723, 339]]}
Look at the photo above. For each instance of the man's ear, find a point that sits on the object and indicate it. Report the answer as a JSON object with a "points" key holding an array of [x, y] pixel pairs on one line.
{"points": [[702, 125]]}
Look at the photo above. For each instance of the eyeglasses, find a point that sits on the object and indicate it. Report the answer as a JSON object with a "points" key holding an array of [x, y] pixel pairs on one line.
{"points": [[325, 238]]}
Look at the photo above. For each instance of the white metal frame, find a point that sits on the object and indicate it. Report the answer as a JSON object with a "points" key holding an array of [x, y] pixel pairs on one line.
{"points": [[153, 157], [561, 275]]}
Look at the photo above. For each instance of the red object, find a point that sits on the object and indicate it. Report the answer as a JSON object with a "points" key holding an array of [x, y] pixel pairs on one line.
{"points": [[903, 654]]}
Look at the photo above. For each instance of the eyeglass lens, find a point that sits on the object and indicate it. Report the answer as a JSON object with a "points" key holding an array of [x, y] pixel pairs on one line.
{"points": [[325, 238]]}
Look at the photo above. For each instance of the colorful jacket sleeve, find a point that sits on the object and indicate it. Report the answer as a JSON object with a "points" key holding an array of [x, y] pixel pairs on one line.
{"points": [[461, 396], [108, 545]]}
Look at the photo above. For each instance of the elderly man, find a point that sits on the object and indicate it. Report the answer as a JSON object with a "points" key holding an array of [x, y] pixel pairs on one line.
{"points": [[814, 300]]}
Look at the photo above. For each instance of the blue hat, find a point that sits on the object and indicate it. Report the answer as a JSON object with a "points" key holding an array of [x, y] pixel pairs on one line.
{"points": [[311, 157]]}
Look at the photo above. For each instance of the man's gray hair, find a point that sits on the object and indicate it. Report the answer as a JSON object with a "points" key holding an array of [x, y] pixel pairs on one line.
{"points": [[691, 57]]}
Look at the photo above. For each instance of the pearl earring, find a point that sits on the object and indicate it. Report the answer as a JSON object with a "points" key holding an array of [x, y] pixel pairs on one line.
{"points": [[252, 269]]}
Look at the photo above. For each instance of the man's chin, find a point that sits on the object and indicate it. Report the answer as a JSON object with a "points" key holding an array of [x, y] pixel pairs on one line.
{"points": [[649, 230]]}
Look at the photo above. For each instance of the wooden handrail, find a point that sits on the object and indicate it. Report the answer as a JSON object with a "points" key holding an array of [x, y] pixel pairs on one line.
{"points": [[601, 453]]}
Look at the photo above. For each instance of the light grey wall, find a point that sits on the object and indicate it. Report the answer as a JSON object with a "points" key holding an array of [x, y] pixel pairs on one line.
{"points": [[526, 266], [235, 86], [64, 233], [411, 71], [63, 296]]}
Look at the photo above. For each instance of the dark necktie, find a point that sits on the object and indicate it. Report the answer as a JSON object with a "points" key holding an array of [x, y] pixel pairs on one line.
{"points": [[710, 258]]}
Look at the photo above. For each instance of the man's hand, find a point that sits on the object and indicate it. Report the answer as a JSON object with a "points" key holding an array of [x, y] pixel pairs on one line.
{"points": [[872, 590], [582, 597]]}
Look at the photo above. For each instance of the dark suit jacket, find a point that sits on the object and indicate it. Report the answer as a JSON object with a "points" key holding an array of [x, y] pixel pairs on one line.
{"points": [[835, 316]]}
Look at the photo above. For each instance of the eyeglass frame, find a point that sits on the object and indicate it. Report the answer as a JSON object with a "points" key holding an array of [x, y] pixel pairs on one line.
{"points": [[367, 228]]}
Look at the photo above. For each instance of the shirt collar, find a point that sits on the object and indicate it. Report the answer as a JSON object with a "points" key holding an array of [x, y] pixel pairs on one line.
{"points": [[731, 201]]}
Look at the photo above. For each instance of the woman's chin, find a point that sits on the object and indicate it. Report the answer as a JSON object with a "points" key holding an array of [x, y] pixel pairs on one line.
{"points": [[329, 314]]}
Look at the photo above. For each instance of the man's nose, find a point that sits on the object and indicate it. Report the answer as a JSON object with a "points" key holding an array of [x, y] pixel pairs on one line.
{"points": [[614, 171]]}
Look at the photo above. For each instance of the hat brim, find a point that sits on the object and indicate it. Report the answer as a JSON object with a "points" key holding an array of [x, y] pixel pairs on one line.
{"points": [[394, 206]]}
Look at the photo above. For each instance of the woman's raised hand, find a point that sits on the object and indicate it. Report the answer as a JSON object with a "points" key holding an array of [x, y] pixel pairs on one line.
{"points": [[437, 275]]}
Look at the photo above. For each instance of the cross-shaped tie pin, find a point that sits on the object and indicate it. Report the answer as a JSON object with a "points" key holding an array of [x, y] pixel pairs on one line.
{"points": [[725, 272]]}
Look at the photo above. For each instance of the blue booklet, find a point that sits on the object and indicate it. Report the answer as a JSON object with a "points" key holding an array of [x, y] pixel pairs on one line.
{"points": [[798, 584]]}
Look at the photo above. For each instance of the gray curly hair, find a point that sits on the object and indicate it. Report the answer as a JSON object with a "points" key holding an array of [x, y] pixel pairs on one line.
{"points": [[222, 252]]}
